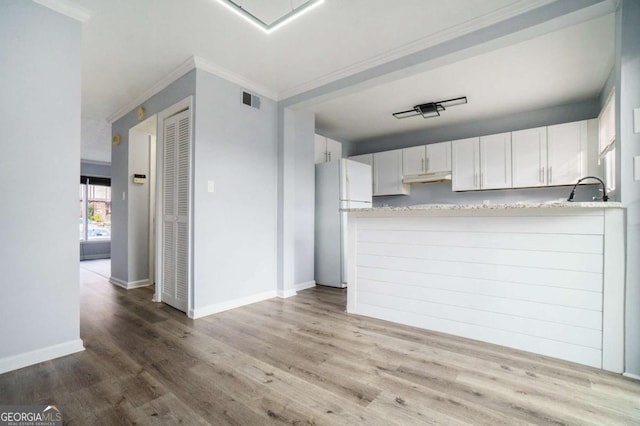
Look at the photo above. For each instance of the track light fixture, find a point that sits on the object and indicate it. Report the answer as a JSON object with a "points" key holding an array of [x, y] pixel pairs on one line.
{"points": [[430, 109]]}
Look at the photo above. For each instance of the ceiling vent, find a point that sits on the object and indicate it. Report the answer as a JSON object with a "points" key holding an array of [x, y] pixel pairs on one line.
{"points": [[430, 109], [250, 99]]}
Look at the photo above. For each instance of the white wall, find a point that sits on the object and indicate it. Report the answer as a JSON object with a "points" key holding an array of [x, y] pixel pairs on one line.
{"points": [[234, 241], [39, 177]]}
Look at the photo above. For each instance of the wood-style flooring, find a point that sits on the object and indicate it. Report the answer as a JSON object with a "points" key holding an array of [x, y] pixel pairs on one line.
{"points": [[299, 361]]}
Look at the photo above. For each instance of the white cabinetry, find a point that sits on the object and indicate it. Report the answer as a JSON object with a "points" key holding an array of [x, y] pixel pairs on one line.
{"points": [[465, 163], [529, 157], [327, 149], [566, 153], [387, 173], [424, 159], [482, 163]]}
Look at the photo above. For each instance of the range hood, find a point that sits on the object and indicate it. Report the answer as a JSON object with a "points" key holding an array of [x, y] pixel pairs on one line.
{"points": [[429, 177]]}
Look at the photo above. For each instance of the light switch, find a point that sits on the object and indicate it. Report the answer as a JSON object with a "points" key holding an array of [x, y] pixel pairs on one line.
{"points": [[636, 167], [210, 186], [636, 120], [124, 196]]}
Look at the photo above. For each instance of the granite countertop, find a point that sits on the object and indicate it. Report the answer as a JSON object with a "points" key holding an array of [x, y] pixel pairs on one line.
{"points": [[501, 206]]}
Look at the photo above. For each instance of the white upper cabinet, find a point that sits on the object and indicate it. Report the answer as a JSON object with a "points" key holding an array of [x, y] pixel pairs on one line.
{"points": [[423, 159], [327, 149], [413, 160], [387, 173], [438, 158], [481, 163], [495, 161], [529, 157], [566, 153], [465, 162]]}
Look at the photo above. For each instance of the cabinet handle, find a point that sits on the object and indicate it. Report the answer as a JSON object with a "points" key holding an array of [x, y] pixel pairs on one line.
{"points": [[329, 155], [423, 166], [550, 175], [475, 180]]}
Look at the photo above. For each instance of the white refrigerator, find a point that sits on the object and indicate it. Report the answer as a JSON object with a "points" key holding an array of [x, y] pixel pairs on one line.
{"points": [[340, 184]]}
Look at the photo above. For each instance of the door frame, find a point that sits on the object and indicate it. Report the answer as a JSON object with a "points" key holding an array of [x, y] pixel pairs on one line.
{"points": [[185, 104]]}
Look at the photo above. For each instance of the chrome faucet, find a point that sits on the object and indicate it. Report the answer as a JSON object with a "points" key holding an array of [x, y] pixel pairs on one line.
{"points": [[604, 188]]}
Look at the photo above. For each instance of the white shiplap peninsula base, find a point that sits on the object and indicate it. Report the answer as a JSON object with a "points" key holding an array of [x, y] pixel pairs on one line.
{"points": [[545, 278]]}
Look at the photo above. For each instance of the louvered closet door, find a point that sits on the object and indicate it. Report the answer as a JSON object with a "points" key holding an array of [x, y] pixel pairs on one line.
{"points": [[175, 210]]}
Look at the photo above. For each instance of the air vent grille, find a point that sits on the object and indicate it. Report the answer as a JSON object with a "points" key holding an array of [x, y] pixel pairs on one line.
{"points": [[251, 100]]}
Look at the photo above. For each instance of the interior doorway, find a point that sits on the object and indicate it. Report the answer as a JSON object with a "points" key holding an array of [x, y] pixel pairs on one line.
{"points": [[142, 197]]}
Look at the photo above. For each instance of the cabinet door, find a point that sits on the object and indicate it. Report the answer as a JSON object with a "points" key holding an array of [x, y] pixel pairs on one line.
{"points": [[529, 157], [438, 158], [387, 173], [566, 153], [320, 149], [495, 161], [334, 150], [413, 160], [465, 157]]}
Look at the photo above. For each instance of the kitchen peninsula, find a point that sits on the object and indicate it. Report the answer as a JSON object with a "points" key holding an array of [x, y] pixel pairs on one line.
{"points": [[546, 278]]}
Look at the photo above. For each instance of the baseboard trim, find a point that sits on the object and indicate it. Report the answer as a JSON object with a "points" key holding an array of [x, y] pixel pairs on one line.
{"points": [[131, 284], [26, 359], [631, 376], [284, 294], [305, 285], [230, 304]]}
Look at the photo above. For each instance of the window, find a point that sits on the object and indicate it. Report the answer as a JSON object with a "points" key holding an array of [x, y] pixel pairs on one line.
{"points": [[607, 139], [95, 208]]}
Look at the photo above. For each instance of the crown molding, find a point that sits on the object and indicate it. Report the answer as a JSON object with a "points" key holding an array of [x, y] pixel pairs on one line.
{"points": [[191, 63], [502, 14], [162, 84], [212, 68], [67, 8]]}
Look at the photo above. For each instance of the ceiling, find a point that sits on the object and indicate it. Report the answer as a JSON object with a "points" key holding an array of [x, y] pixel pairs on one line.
{"points": [[128, 46]]}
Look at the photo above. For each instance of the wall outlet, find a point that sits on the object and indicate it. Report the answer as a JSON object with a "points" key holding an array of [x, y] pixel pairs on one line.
{"points": [[210, 186], [636, 120]]}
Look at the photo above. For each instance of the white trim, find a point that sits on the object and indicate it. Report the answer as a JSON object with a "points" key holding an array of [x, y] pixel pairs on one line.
{"points": [[66, 8], [305, 285], [25, 359], [217, 70], [629, 375], [231, 304], [285, 294], [128, 285], [190, 64], [162, 84]]}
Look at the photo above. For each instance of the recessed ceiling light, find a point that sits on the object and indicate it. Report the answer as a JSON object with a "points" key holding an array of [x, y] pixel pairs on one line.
{"points": [[245, 13]]}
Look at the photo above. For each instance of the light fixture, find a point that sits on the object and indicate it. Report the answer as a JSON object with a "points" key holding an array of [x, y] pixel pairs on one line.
{"points": [[430, 109], [269, 27]]}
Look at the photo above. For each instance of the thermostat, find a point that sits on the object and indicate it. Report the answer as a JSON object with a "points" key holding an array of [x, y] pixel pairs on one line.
{"points": [[138, 178]]}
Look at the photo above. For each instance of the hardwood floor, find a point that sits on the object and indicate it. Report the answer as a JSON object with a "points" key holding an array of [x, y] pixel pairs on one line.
{"points": [[302, 360]]}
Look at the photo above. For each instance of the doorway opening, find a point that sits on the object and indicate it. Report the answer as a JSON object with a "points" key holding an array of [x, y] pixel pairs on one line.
{"points": [[142, 199]]}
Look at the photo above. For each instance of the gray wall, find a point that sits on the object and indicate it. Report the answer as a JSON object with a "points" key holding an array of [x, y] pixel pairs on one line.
{"points": [[120, 227], [138, 207], [39, 175], [507, 123], [628, 98], [234, 246], [304, 196]]}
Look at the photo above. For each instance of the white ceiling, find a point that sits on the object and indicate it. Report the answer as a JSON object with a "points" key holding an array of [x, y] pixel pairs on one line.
{"points": [[129, 45]]}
